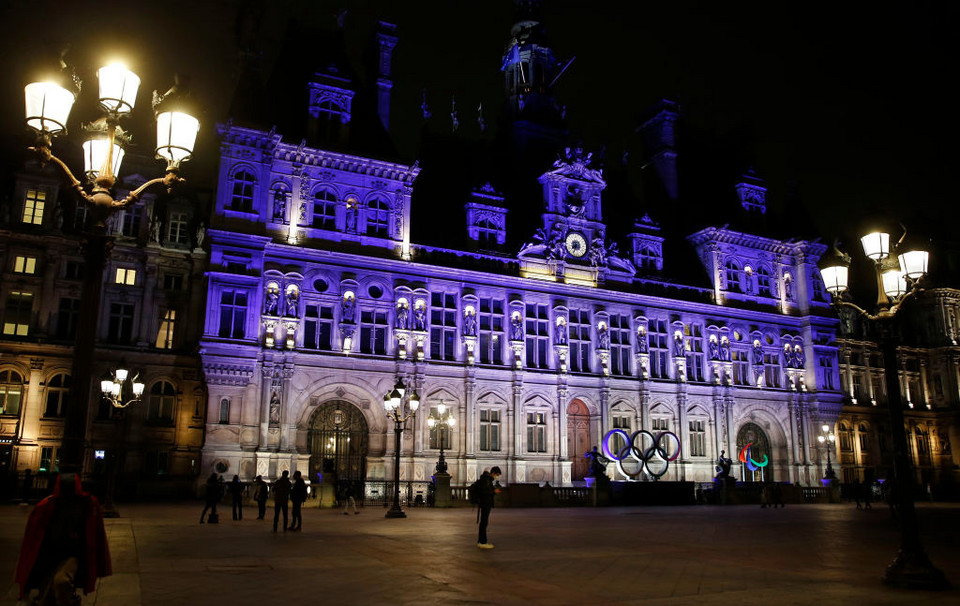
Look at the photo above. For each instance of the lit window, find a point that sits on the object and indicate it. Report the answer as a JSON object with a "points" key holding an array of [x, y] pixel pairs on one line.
{"points": [[125, 276], [16, 320], [11, 392], [165, 334], [25, 265], [33, 206]]}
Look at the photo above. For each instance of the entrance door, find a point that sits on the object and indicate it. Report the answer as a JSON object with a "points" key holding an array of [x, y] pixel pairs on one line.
{"points": [[578, 439], [753, 450], [338, 442]]}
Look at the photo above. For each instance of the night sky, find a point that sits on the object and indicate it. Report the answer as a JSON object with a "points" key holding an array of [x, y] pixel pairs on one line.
{"points": [[841, 110]]}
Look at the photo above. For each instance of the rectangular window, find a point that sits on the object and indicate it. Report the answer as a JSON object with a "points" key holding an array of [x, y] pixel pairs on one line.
{"points": [[536, 432], [659, 424], [879, 389], [489, 429], [33, 207], [440, 429], [120, 329], [125, 276], [659, 349], [165, 335], [620, 352], [771, 370], [864, 439], [80, 215], [621, 421], [177, 232], [373, 332], [538, 336], [580, 343], [826, 373], [318, 327], [694, 352], [130, 225], [443, 326], [741, 367], [25, 265], [11, 393], [172, 282], [68, 313], [698, 438], [233, 314], [156, 462], [46, 459], [19, 309], [491, 331]]}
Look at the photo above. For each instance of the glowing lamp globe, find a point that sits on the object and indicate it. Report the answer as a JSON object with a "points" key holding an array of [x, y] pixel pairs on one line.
{"points": [[876, 245], [914, 263], [118, 88], [47, 107], [176, 136], [95, 155]]}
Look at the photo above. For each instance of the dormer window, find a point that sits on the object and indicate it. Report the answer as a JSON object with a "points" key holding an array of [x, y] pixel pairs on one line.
{"points": [[242, 198], [325, 209], [378, 213], [734, 276]]}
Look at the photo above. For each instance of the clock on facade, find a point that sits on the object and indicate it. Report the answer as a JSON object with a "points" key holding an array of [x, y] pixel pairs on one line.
{"points": [[576, 244]]}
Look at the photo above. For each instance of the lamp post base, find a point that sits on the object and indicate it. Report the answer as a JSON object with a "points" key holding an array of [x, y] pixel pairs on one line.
{"points": [[395, 511], [913, 570]]}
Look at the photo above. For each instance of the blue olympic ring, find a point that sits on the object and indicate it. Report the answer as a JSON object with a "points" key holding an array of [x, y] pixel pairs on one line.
{"points": [[650, 449]]}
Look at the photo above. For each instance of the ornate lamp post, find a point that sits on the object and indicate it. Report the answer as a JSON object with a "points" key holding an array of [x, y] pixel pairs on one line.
{"points": [[48, 105], [400, 406], [827, 439], [898, 274], [439, 422], [112, 390]]}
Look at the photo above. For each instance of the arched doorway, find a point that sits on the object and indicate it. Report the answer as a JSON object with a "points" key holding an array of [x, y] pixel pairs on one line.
{"points": [[759, 455], [338, 440], [578, 439]]}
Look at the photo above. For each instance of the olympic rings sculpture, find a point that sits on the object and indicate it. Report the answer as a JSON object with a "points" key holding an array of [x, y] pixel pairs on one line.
{"points": [[652, 454]]}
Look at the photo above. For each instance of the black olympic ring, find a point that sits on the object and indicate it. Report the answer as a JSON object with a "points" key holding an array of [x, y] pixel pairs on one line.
{"points": [[650, 449]]}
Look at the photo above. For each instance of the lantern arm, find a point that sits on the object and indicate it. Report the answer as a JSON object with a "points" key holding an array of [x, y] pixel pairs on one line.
{"points": [[47, 156], [883, 313], [168, 180]]}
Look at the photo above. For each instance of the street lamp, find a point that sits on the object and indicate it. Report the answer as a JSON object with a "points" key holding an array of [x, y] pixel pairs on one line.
{"points": [[827, 438], [898, 274], [48, 104], [112, 390], [439, 422], [400, 406]]}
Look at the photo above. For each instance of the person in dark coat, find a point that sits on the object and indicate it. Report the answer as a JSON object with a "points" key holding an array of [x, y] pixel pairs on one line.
{"points": [[260, 496], [298, 494], [64, 546], [236, 494], [281, 495], [212, 497], [487, 493]]}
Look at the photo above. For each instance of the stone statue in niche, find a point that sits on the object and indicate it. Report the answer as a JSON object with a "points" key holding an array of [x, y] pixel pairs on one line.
{"points": [[678, 348], [798, 358], [155, 230], [275, 408], [469, 323], [725, 349], [273, 300], [420, 317], [280, 206], [347, 309], [714, 348], [788, 356], [603, 336], [642, 346], [561, 333], [201, 234], [403, 314], [757, 354], [516, 327], [293, 297]]}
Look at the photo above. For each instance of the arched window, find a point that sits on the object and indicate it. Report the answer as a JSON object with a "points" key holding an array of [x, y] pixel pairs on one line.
{"points": [[734, 276], [378, 213], [224, 411], [325, 209], [864, 436], [242, 198], [846, 439], [57, 389], [163, 396], [11, 392], [819, 292]]}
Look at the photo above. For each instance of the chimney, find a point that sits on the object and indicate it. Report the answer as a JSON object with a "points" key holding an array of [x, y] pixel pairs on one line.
{"points": [[386, 41]]}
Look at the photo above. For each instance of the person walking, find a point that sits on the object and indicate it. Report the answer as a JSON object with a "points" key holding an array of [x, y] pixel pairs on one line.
{"points": [[298, 494], [65, 545], [260, 496], [212, 497], [281, 494], [485, 499], [236, 494], [348, 500], [776, 495]]}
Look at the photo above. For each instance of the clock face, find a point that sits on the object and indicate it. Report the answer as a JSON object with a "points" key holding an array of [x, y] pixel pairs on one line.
{"points": [[576, 244]]}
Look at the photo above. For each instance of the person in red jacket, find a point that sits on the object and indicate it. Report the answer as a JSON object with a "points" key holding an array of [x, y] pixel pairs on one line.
{"points": [[64, 546]]}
